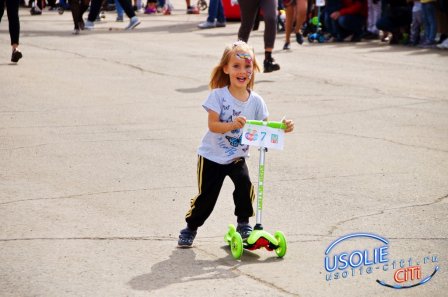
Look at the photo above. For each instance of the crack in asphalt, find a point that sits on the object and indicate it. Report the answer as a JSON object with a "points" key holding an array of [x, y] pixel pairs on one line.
{"points": [[296, 238], [362, 110], [337, 83], [113, 125], [338, 224], [83, 141], [135, 67], [420, 238], [95, 141], [99, 238], [26, 147], [92, 194], [387, 140], [172, 238], [328, 234], [337, 176], [235, 268]]}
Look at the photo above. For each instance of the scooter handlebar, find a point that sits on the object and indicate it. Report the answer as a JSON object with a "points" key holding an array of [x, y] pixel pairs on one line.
{"points": [[271, 124]]}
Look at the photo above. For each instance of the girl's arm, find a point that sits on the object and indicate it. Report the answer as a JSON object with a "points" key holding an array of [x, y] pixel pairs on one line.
{"points": [[216, 126]]}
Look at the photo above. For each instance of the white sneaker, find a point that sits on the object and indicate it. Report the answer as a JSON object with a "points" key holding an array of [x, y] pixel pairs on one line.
{"points": [[89, 25], [206, 25], [443, 45], [219, 24], [134, 22]]}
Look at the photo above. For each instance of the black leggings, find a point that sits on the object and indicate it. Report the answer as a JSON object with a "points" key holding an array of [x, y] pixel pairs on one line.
{"points": [[249, 10], [12, 8]]}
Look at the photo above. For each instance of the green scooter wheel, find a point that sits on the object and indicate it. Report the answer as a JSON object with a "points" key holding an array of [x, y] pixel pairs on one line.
{"points": [[282, 246], [228, 236], [236, 245]]}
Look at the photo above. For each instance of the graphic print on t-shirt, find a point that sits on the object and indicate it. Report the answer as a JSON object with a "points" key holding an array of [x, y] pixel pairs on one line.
{"points": [[233, 141]]}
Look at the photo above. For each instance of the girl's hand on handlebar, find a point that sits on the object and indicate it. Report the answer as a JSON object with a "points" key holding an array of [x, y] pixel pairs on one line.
{"points": [[239, 122], [289, 125]]}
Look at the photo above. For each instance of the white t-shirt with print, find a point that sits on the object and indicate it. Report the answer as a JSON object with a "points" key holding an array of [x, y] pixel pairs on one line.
{"points": [[223, 148]]}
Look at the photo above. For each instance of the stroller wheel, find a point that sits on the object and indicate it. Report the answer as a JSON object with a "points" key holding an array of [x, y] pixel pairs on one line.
{"points": [[321, 39]]}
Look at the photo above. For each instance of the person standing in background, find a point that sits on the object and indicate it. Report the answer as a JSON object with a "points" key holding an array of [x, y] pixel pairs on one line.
{"points": [[215, 17], [295, 10], [373, 15], [95, 7], [248, 11], [12, 8], [78, 8], [417, 23], [430, 22]]}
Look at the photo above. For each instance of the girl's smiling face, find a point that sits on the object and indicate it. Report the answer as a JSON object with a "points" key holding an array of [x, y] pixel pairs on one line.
{"points": [[240, 69]]}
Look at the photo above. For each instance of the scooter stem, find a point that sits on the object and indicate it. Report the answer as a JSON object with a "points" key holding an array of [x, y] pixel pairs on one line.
{"points": [[263, 150], [260, 191]]}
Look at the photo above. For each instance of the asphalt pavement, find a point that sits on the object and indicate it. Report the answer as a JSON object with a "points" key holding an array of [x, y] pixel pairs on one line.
{"points": [[98, 139]]}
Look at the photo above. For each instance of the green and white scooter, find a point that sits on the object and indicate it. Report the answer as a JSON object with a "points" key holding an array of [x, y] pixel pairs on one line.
{"points": [[258, 237]]}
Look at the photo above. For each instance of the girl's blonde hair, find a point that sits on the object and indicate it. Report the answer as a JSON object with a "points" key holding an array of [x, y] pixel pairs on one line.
{"points": [[220, 79]]}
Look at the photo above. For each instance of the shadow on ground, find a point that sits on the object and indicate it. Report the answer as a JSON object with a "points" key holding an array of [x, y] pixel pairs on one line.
{"points": [[183, 267]]}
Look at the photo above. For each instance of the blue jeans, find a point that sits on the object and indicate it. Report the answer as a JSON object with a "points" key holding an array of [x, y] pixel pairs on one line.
{"points": [[216, 11], [63, 4], [430, 22], [120, 10], [416, 25], [330, 7], [329, 23], [345, 25]]}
